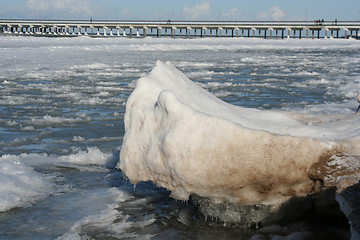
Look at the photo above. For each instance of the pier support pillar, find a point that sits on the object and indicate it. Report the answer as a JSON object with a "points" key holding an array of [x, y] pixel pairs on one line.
{"points": [[144, 31], [288, 33]]}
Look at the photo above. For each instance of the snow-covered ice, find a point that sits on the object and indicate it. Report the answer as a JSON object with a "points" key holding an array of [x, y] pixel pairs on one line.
{"points": [[186, 140], [20, 184]]}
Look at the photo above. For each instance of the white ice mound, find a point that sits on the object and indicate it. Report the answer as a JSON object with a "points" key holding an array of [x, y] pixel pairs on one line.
{"points": [[186, 140], [20, 184]]}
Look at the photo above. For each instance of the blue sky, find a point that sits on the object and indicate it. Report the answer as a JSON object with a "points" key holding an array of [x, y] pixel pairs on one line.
{"points": [[183, 9]]}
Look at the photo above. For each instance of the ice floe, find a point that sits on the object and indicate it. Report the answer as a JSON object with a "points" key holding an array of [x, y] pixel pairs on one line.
{"points": [[186, 140]]}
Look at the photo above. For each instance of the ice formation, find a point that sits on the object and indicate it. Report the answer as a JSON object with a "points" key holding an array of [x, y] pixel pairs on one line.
{"points": [[186, 140], [20, 184]]}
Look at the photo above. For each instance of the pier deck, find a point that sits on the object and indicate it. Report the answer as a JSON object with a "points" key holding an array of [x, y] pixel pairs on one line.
{"points": [[183, 29]]}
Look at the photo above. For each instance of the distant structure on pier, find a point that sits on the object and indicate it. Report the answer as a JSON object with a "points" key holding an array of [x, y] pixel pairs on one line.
{"points": [[183, 29]]}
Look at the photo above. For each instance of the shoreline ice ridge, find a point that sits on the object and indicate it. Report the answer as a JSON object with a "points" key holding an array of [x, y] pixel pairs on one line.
{"points": [[184, 139]]}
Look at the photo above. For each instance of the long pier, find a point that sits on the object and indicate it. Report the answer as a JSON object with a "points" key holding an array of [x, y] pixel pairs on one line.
{"points": [[182, 29]]}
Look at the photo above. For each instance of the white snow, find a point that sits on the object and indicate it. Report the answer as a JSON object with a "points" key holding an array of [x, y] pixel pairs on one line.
{"points": [[185, 139], [21, 185], [50, 120], [92, 159]]}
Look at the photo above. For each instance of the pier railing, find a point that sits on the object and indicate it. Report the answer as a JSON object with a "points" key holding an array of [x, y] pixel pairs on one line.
{"points": [[182, 29]]}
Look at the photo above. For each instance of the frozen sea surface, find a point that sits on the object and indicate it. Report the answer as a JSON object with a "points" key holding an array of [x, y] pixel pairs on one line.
{"points": [[62, 102]]}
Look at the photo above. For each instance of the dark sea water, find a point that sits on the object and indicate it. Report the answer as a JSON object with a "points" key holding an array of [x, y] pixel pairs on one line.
{"points": [[62, 103]]}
